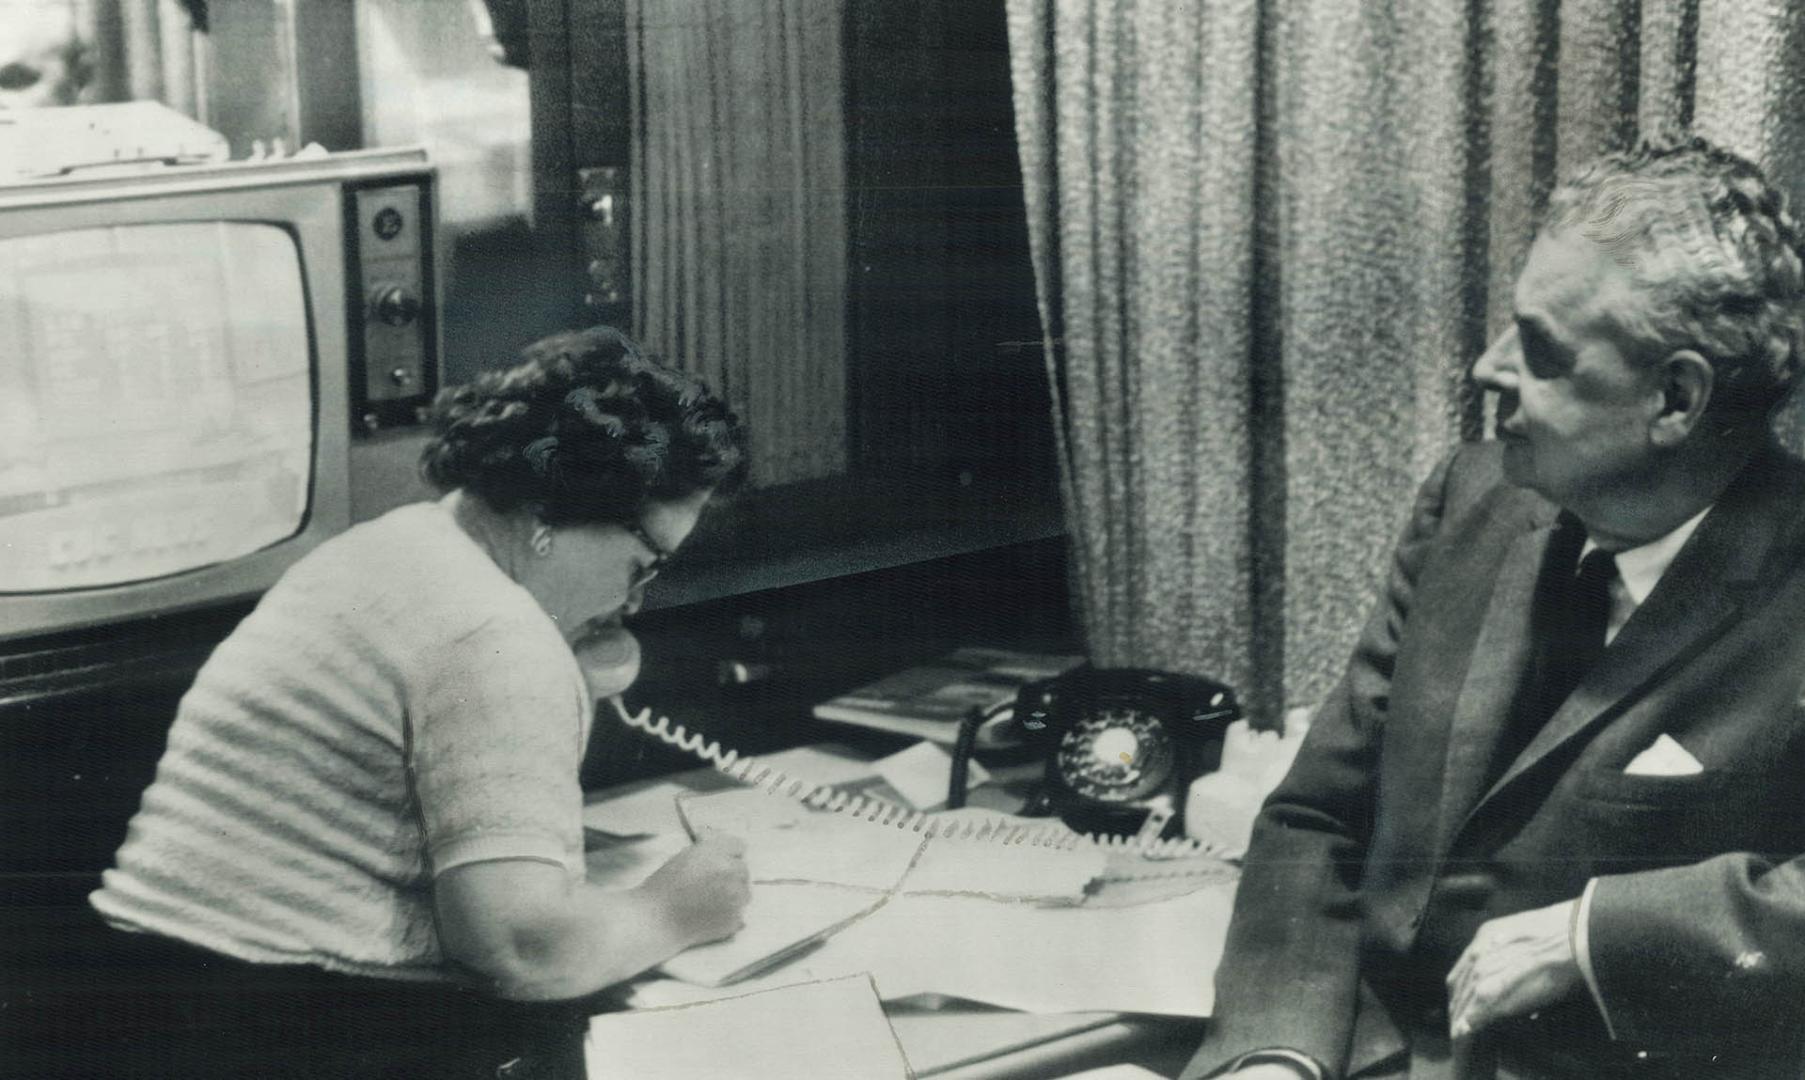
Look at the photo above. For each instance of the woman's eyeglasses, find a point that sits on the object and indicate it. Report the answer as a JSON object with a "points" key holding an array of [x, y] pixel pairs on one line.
{"points": [[660, 555]]}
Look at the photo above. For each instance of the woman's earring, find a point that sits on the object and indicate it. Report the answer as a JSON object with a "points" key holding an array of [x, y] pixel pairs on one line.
{"points": [[542, 540]]}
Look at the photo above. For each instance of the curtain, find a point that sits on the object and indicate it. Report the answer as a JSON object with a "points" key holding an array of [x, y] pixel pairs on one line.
{"points": [[1270, 236], [737, 214], [146, 50]]}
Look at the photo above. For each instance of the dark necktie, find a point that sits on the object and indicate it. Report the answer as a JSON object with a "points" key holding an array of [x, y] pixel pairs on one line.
{"points": [[1572, 611], [1579, 610]]}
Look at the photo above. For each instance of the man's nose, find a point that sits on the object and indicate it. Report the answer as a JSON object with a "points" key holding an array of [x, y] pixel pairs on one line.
{"points": [[1496, 368]]}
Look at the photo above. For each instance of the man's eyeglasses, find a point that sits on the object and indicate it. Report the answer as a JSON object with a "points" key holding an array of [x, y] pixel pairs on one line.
{"points": [[660, 555]]}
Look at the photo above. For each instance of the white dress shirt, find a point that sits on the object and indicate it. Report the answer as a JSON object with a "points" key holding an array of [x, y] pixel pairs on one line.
{"points": [[1638, 570]]}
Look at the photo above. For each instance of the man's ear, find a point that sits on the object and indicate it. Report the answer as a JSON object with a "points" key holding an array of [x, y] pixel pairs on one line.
{"points": [[1686, 382]]}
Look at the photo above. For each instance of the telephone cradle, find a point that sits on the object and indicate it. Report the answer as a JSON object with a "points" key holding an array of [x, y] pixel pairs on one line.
{"points": [[1122, 746]]}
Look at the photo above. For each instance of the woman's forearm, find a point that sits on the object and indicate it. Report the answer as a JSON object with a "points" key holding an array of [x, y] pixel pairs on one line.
{"points": [[540, 939], [603, 937], [539, 936]]}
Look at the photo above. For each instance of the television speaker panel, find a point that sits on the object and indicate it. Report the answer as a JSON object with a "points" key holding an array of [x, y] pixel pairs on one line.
{"points": [[189, 357]]}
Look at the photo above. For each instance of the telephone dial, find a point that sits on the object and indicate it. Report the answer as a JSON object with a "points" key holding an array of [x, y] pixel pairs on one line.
{"points": [[1122, 745]]}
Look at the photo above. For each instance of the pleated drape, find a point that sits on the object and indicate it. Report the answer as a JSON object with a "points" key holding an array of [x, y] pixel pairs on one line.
{"points": [[1154, 390], [738, 214], [146, 50], [1269, 238]]}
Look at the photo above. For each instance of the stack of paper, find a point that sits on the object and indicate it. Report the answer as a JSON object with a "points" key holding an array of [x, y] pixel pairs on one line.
{"points": [[834, 896], [1158, 957]]}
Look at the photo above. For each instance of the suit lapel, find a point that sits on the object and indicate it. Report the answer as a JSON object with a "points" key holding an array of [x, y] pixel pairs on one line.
{"points": [[1502, 653], [1707, 584]]}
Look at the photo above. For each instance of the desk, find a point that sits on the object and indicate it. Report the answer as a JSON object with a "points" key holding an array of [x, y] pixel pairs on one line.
{"points": [[957, 1040], [964, 1044]]}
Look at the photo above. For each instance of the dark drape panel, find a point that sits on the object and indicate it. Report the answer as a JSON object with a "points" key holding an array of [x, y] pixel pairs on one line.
{"points": [[1269, 237], [738, 214]]}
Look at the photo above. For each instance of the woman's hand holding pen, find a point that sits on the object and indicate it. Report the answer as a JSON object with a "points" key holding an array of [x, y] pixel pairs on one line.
{"points": [[704, 888]]}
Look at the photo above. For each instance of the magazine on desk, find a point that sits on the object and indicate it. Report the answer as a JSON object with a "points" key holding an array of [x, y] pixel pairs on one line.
{"points": [[929, 700]]}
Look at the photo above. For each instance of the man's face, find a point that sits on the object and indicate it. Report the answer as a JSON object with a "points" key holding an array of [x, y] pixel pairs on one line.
{"points": [[1574, 412]]}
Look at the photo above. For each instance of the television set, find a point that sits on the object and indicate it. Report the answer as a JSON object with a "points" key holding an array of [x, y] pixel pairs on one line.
{"points": [[189, 356]]}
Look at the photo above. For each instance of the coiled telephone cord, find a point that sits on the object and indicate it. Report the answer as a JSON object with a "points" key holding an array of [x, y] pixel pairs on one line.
{"points": [[748, 770]]}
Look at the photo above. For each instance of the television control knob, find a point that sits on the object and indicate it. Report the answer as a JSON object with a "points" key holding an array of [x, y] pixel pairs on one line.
{"points": [[388, 223], [401, 376], [394, 305]]}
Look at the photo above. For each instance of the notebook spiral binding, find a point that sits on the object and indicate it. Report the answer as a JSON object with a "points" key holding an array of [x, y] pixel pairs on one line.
{"points": [[748, 770]]}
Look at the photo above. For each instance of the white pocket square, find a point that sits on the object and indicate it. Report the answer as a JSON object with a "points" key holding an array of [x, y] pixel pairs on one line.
{"points": [[1664, 757]]}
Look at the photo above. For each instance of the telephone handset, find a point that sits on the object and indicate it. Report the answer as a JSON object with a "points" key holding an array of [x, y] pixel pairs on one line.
{"points": [[748, 770], [1122, 745]]}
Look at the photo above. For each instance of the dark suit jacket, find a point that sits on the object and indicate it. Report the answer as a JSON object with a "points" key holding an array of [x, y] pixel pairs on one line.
{"points": [[1388, 844]]}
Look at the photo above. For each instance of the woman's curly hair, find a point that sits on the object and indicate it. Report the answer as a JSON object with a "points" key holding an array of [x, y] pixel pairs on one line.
{"points": [[1716, 256], [584, 430]]}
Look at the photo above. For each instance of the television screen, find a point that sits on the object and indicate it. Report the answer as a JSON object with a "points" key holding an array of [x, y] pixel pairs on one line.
{"points": [[156, 411]]}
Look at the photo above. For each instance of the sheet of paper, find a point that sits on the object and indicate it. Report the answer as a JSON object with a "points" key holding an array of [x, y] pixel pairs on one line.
{"points": [[625, 863], [846, 853], [819, 765], [1151, 958], [834, 1028], [743, 810], [1004, 871], [961, 1033], [786, 841], [921, 774], [651, 811], [781, 920]]}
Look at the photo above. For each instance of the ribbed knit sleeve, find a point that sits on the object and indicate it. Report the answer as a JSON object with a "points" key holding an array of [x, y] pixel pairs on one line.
{"points": [[497, 740]]}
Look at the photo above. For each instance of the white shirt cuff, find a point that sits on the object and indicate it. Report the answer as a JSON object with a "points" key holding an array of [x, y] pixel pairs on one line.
{"points": [[1582, 952], [1305, 1064]]}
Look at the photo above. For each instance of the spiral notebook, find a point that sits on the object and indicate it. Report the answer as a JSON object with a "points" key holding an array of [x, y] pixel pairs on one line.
{"points": [[813, 874]]}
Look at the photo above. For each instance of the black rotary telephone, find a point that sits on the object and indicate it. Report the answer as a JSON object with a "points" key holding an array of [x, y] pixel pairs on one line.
{"points": [[1120, 744]]}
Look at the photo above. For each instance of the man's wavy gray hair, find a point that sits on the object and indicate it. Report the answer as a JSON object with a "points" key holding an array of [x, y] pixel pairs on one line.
{"points": [[1715, 255]]}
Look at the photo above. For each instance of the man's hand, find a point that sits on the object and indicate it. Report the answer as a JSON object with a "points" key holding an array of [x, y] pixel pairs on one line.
{"points": [[1514, 965]]}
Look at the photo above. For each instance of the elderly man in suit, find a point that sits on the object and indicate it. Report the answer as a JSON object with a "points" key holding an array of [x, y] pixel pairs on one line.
{"points": [[1552, 821]]}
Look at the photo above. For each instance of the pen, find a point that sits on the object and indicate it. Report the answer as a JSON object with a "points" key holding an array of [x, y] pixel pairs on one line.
{"points": [[688, 829]]}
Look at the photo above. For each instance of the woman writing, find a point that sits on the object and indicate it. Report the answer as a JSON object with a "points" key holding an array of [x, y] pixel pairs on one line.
{"points": [[364, 838]]}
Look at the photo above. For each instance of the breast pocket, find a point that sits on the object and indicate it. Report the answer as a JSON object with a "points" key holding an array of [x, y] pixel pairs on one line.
{"points": [[1639, 789], [1649, 821]]}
